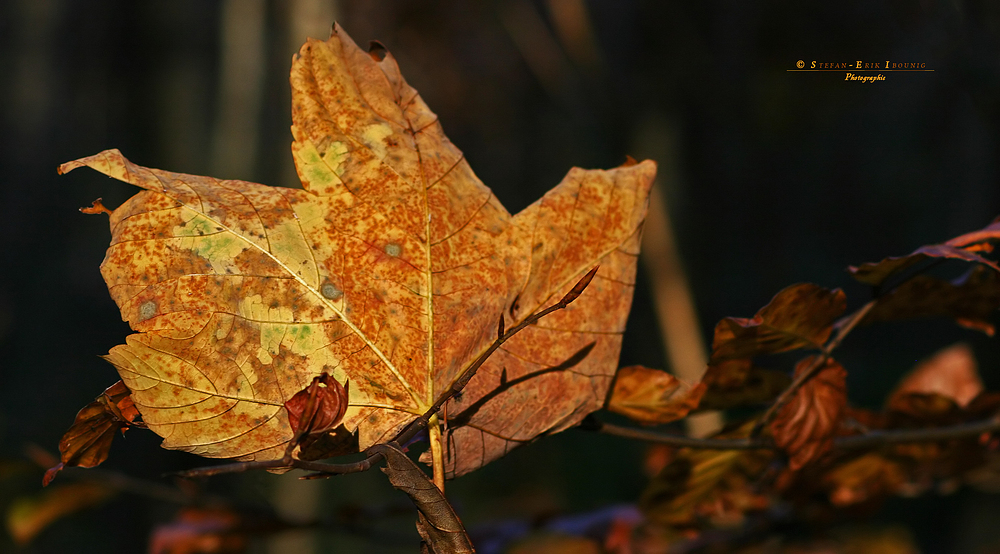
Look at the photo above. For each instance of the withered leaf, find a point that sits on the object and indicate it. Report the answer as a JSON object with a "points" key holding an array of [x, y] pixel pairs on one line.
{"points": [[951, 373], [984, 405], [391, 269], [868, 477], [964, 247], [438, 524], [672, 496], [735, 383], [799, 316], [714, 484], [87, 442], [805, 426], [937, 390], [318, 407], [652, 396], [337, 442], [728, 374], [972, 300], [917, 409]]}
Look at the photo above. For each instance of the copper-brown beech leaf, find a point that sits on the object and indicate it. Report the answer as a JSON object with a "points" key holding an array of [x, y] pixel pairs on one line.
{"points": [[923, 409], [799, 316], [390, 269], [737, 382], [438, 524], [869, 477], [702, 483], [804, 427], [965, 247], [87, 442], [948, 378], [652, 396], [972, 300]]}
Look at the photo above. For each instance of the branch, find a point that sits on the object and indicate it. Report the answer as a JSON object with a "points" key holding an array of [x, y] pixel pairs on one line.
{"points": [[677, 440], [287, 462], [931, 434], [122, 482], [871, 439], [844, 327]]}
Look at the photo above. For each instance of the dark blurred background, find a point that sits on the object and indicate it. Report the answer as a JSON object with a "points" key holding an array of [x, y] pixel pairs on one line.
{"points": [[767, 178]]}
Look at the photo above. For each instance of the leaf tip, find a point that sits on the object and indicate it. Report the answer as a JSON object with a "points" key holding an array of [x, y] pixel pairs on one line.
{"points": [[50, 473], [67, 167]]}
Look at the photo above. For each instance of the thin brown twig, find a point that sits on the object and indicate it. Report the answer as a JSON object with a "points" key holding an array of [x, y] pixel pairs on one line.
{"points": [[414, 427], [122, 482], [932, 434], [681, 440], [871, 439], [418, 424], [235, 467], [844, 327], [139, 487], [287, 462]]}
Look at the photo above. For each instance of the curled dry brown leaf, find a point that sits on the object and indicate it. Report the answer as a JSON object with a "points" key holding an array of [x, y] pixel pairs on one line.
{"points": [[804, 427], [87, 442], [703, 486], [965, 247], [652, 396], [391, 269], [737, 382], [799, 316], [971, 300], [438, 524], [318, 407], [868, 477], [952, 373]]}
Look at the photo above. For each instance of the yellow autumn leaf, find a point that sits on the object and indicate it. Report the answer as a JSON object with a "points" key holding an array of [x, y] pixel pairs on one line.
{"points": [[390, 270]]}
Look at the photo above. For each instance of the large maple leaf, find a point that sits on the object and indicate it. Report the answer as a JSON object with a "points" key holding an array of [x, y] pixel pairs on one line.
{"points": [[390, 270]]}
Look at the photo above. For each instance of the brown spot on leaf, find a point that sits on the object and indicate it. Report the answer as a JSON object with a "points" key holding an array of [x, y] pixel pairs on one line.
{"points": [[330, 291], [147, 310]]}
